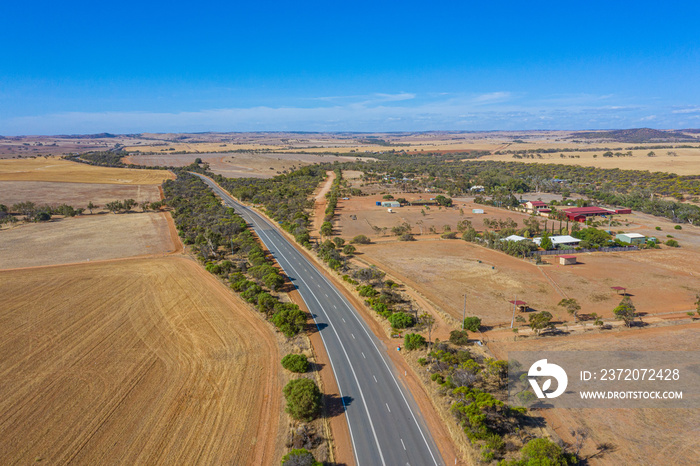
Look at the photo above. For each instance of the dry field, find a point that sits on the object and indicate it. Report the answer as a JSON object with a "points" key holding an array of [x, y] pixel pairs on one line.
{"points": [[639, 436], [74, 194], [85, 238], [239, 164], [58, 170], [145, 361], [659, 281]]}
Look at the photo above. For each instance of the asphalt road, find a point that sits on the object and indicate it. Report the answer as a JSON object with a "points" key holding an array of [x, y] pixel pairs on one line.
{"points": [[386, 427]]}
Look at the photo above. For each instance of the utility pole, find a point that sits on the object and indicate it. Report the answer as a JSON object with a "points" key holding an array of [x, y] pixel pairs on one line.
{"points": [[464, 311]]}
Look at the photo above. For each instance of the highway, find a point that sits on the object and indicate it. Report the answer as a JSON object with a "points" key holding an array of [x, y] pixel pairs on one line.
{"points": [[385, 425]]}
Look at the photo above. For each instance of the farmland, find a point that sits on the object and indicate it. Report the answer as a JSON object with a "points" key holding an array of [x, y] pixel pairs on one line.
{"points": [[639, 436], [86, 238], [74, 194], [165, 367], [54, 169], [238, 164]]}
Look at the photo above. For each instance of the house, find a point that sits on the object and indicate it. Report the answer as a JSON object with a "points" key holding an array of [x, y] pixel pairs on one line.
{"points": [[477, 189], [631, 238], [391, 204], [560, 241], [535, 206], [567, 260], [580, 214], [515, 238]]}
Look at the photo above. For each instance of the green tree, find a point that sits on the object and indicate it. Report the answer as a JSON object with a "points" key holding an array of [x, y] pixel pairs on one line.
{"points": [[413, 341], [349, 249], [571, 305], [326, 229], [625, 311], [401, 320], [546, 242], [543, 452], [472, 323], [443, 201], [459, 337], [290, 321], [541, 321], [295, 363], [303, 399], [91, 206], [360, 239]]}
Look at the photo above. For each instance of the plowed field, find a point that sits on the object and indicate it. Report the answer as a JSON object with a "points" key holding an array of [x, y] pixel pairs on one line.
{"points": [[144, 361]]}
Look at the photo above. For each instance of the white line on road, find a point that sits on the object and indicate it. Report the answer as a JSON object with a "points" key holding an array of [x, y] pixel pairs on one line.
{"points": [[343, 319], [363, 355], [403, 444], [387, 406], [353, 336], [375, 379]]}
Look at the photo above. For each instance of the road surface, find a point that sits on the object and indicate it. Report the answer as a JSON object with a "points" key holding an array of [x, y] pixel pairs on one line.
{"points": [[385, 425]]}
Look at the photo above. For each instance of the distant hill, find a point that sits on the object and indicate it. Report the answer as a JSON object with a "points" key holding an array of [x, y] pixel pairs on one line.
{"points": [[635, 135], [87, 136], [692, 130]]}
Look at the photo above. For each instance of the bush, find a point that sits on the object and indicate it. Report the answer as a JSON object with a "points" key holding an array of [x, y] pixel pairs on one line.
{"points": [[401, 320], [459, 337], [673, 243], [289, 321], [295, 363], [367, 291], [449, 235], [360, 239], [303, 399], [472, 324], [406, 237], [300, 457], [658, 228], [678, 227], [413, 341]]}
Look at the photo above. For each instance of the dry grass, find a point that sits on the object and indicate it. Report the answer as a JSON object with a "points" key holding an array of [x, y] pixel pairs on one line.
{"points": [[146, 361], [74, 194], [85, 238], [59, 170], [639, 436]]}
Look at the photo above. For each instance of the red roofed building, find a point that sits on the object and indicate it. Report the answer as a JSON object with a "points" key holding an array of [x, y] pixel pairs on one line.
{"points": [[535, 206], [580, 214]]}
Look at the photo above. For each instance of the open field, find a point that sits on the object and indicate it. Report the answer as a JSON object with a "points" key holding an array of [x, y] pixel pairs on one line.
{"points": [[639, 436], [74, 194], [58, 170], [145, 361], [85, 238], [443, 270], [239, 164]]}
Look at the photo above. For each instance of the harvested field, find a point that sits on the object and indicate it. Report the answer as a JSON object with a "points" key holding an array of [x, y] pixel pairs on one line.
{"points": [[85, 238], [74, 194], [58, 170], [638, 436], [238, 164], [145, 361], [443, 270]]}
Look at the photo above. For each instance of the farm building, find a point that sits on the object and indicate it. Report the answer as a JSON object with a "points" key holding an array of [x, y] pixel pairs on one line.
{"points": [[477, 211], [516, 238], [631, 238], [477, 189], [560, 241], [580, 214], [391, 204], [535, 206], [567, 260]]}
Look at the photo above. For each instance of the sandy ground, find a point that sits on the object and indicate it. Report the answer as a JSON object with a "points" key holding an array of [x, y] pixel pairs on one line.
{"points": [[146, 361], [239, 164], [74, 194], [444, 270], [639, 436], [86, 238], [320, 202], [58, 170]]}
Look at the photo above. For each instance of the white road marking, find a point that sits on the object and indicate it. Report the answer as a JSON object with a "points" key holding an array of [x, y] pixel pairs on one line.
{"points": [[363, 355], [353, 336], [403, 444], [375, 379], [343, 319], [387, 406]]}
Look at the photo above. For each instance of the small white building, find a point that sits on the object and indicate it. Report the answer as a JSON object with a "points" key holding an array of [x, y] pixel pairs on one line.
{"points": [[477, 211], [559, 241], [516, 238]]}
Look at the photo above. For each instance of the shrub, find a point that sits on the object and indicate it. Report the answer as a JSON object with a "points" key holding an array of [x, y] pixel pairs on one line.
{"points": [[289, 321], [406, 237], [422, 361], [367, 291], [673, 243], [678, 227], [360, 239], [295, 363], [450, 235], [413, 341], [401, 320], [472, 323], [303, 399], [658, 228], [300, 457], [459, 337]]}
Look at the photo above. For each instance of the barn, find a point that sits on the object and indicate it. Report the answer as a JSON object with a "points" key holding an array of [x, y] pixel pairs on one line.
{"points": [[580, 214], [567, 260], [631, 238]]}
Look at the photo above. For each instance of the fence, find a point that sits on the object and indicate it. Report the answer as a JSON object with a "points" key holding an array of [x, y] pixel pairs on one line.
{"points": [[557, 252]]}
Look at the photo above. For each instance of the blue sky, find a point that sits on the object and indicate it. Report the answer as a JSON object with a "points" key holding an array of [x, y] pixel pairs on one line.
{"points": [[122, 67]]}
